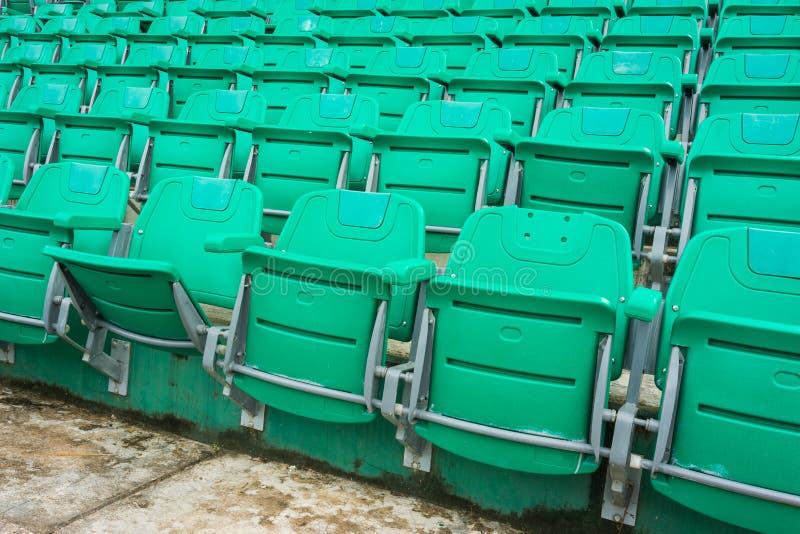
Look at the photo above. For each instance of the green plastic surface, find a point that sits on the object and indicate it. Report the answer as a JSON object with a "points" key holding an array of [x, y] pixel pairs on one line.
{"points": [[757, 33], [457, 37], [679, 36], [364, 37]]}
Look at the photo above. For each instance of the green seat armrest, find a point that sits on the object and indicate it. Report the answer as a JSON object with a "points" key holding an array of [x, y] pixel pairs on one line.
{"points": [[556, 79], [336, 71], [231, 242], [46, 112], [90, 64], [409, 271], [441, 77], [495, 37], [404, 36], [643, 304], [673, 150], [507, 138], [594, 35], [364, 131], [321, 34], [247, 70], [86, 222], [707, 35], [138, 117], [242, 123], [689, 81]]}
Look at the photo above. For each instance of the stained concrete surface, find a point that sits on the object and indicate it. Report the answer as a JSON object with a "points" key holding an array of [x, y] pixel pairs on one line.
{"points": [[68, 469]]}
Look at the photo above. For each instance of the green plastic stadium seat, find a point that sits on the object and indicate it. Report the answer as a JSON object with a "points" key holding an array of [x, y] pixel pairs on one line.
{"points": [[458, 37], [743, 170], [293, 33], [697, 9], [349, 9], [567, 276], [145, 66], [737, 8], [606, 161], [173, 29], [679, 36], [605, 11], [200, 140], [507, 13], [311, 149], [363, 38], [570, 38], [147, 8], [98, 9], [49, 11], [76, 66], [56, 30], [301, 72], [115, 29], [444, 157], [237, 8], [61, 201], [107, 135], [6, 179], [731, 314], [15, 65], [228, 31], [759, 33], [522, 80], [398, 77], [651, 81], [27, 127], [355, 258], [751, 83], [181, 8], [185, 249], [220, 67]]}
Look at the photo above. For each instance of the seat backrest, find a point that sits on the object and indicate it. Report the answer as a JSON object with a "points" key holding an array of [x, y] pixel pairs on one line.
{"points": [[420, 9], [454, 119], [59, 98], [125, 102], [521, 63], [605, 10], [593, 160], [65, 26], [697, 9], [507, 13], [176, 221], [570, 38], [228, 57], [677, 35], [758, 32], [78, 189], [224, 107], [144, 54], [737, 8], [345, 8], [116, 25], [748, 171], [330, 112], [32, 52], [97, 53], [180, 25], [235, 26], [458, 37], [15, 24], [302, 26], [187, 7], [752, 83]]}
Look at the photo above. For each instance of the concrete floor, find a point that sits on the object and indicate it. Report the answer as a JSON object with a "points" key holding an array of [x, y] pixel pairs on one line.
{"points": [[68, 469]]}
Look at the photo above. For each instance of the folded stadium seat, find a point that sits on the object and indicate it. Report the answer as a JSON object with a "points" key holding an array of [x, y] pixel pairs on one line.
{"points": [[419, 9], [738, 8], [200, 140], [696, 9], [223, 67], [507, 13], [366, 253], [228, 31], [171, 30], [524, 81], [63, 204], [606, 161], [146, 8], [344, 9], [458, 37], [398, 77], [652, 81], [48, 11], [292, 33], [12, 26], [758, 34], [679, 36], [185, 249], [604, 11], [15, 65], [28, 125], [364, 37], [542, 343], [301, 72], [182, 8], [146, 65], [751, 83], [730, 313], [443, 156], [318, 144], [113, 130], [743, 171], [236, 8], [76, 66], [570, 38]]}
